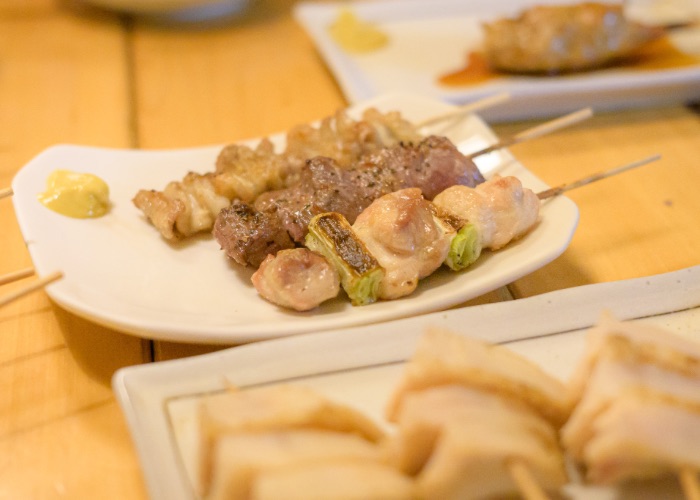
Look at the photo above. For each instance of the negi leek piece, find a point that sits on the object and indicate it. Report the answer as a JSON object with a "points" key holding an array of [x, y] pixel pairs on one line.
{"points": [[465, 248], [331, 235]]}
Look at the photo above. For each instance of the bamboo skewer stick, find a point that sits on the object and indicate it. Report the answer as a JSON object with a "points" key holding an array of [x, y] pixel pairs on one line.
{"points": [[40, 283], [461, 111], [556, 191], [527, 485], [537, 131], [4, 193], [17, 275], [690, 483]]}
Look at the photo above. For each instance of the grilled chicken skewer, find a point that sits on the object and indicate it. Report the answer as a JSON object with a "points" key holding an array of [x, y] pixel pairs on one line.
{"points": [[409, 238]]}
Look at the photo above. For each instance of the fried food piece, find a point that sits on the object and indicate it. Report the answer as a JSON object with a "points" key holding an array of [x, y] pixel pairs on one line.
{"points": [[443, 357], [341, 479], [238, 459], [554, 39], [274, 408]]}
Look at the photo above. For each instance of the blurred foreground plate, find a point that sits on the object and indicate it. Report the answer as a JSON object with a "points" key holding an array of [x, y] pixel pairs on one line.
{"points": [[361, 366]]}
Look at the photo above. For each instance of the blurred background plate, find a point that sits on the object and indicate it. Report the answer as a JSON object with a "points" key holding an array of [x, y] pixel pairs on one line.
{"points": [[175, 10], [432, 38]]}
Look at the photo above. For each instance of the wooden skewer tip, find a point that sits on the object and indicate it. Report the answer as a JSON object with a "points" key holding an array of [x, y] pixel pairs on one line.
{"points": [[4, 193], [40, 283], [689, 482], [16, 275], [527, 484], [467, 109]]}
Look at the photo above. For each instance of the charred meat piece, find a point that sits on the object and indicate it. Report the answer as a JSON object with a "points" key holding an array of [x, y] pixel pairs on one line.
{"points": [[431, 165], [554, 39], [248, 235]]}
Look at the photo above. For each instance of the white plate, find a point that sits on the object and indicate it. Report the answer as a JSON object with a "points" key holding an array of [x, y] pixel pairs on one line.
{"points": [[360, 366], [119, 272], [429, 38]]}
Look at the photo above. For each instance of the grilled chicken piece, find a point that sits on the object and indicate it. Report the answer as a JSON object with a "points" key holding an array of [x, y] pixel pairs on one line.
{"points": [[190, 206], [334, 479], [443, 357], [554, 39], [296, 278], [403, 232], [501, 209]]}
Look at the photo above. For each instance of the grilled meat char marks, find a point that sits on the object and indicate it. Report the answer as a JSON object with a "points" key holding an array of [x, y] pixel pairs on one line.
{"points": [[248, 235]]}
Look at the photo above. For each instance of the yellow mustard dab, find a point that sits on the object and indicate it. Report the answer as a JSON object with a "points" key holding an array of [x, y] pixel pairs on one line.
{"points": [[356, 35], [76, 194]]}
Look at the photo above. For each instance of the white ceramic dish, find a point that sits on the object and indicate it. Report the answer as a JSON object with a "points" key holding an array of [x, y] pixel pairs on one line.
{"points": [[120, 273], [360, 366], [176, 11], [429, 38]]}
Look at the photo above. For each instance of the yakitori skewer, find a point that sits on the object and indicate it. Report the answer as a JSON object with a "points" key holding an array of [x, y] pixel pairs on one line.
{"points": [[466, 109], [5, 192], [16, 275], [690, 483], [555, 191], [36, 285], [527, 485], [537, 131]]}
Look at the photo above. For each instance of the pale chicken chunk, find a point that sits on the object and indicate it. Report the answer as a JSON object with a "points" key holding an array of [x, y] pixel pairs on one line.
{"points": [[240, 458], [425, 414], [402, 231], [471, 460], [501, 209], [334, 479], [443, 357], [640, 436], [622, 366], [296, 278]]}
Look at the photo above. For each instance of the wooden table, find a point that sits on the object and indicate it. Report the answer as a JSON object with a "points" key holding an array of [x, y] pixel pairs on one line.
{"points": [[69, 74]]}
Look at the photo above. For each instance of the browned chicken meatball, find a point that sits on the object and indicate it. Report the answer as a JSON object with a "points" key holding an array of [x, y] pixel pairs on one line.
{"points": [[564, 38]]}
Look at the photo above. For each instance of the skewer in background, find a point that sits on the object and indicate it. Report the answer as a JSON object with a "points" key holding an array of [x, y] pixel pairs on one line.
{"points": [[4, 193], [16, 275], [556, 191], [36, 285], [537, 131], [466, 109], [690, 483]]}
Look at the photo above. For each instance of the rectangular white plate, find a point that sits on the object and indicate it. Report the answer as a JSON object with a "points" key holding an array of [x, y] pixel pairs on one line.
{"points": [[119, 271], [360, 366], [429, 38]]}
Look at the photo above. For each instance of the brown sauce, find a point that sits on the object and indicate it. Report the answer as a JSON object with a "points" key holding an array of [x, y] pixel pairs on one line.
{"points": [[657, 55]]}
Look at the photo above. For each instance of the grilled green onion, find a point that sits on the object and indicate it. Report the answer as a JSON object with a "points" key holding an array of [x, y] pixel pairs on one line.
{"points": [[331, 235], [465, 248]]}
